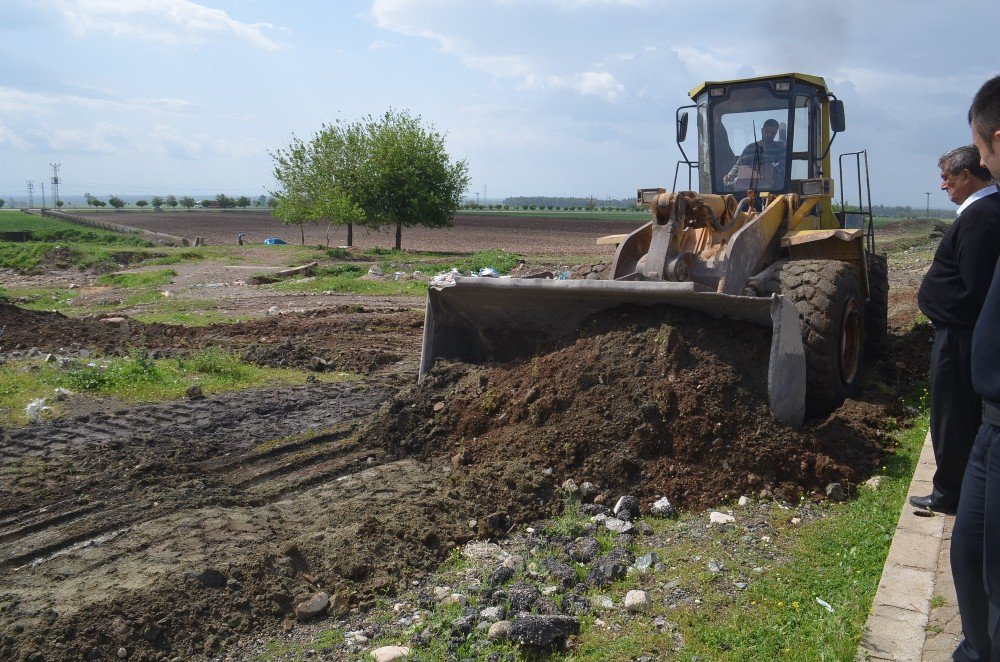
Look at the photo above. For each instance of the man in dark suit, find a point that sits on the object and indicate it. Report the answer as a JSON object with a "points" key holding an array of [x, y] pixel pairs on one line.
{"points": [[975, 539], [951, 296]]}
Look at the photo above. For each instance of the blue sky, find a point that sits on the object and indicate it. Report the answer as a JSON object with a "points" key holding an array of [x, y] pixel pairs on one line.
{"points": [[542, 97]]}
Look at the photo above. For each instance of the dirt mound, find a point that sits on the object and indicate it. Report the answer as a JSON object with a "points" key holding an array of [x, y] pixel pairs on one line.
{"points": [[641, 402], [349, 338]]}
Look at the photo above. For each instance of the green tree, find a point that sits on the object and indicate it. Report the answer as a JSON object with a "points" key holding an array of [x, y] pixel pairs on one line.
{"points": [[2, 202], [171, 201], [243, 201], [207, 203], [406, 177], [116, 202], [141, 204], [59, 203], [187, 202], [157, 202]]}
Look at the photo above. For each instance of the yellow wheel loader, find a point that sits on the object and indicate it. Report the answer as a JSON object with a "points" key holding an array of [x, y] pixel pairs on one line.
{"points": [[759, 241]]}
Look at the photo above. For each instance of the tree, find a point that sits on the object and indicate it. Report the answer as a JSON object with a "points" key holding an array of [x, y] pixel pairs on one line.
{"points": [[171, 201], [207, 203], [243, 201], [225, 202], [116, 202], [141, 204], [59, 203], [2, 202], [187, 202], [405, 177], [157, 203]]}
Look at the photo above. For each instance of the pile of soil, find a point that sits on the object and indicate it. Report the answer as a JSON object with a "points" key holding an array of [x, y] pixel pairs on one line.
{"points": [[642, 402]]}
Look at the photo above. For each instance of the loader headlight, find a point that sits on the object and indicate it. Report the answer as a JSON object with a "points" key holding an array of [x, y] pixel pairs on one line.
{"points": [[815, 187], [717, 91]]}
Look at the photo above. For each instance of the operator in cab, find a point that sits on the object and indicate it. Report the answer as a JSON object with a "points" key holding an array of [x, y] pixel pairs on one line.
{"points": [[762, 162]]}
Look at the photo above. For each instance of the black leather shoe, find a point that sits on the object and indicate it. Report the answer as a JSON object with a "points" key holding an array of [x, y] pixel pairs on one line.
{"points": [[931, 502]]}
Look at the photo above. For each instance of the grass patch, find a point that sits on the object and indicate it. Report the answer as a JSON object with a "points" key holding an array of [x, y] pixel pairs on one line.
{"points": [[138, 279], [348, 281], [138, 378]]}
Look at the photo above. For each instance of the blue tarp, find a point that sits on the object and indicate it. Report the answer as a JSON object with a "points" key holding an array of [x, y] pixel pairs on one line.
{"points": [[273, 241]]}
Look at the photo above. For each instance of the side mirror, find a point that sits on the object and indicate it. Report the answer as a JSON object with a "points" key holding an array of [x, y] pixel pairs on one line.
{"points": [[682, 127], [837, 122]]}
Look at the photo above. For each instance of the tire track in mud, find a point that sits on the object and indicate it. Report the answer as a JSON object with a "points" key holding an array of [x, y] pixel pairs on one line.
{"points": [[216, 444]]}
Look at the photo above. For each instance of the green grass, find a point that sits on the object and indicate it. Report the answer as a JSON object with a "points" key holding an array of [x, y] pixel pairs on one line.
{"points": [[138, 279], [137, 378], [348, 281]]}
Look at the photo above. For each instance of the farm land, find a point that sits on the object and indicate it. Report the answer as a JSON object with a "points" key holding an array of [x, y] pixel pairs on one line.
{"points": [[214, 449]]}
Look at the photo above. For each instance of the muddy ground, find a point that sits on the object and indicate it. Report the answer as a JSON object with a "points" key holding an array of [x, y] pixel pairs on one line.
{"points": [[176, 530]]}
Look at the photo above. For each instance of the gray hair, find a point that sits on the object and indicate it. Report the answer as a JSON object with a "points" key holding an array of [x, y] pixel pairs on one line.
{"points": [[962, 158]]}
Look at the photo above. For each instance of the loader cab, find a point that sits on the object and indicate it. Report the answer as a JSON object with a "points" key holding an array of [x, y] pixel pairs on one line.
{"points": [[739, 146]]}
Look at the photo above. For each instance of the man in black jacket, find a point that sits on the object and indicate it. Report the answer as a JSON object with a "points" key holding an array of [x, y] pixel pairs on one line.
{"points": [[975, 540], [951, 296]]}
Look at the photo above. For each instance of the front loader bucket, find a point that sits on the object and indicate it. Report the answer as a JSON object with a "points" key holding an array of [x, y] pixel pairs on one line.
{"points": [[482, 319]]}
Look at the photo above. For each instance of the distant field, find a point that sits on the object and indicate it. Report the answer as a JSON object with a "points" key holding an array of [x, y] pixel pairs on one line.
{"points": [[472, 232]]}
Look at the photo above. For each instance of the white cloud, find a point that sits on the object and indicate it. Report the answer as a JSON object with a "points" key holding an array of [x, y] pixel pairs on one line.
{"points": [[165, 21], [599, 83], [10, 138], [380, 44], [705, 65]]}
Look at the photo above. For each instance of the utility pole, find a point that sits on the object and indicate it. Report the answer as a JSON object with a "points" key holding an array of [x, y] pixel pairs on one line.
{"points": [[928, 194], [43, 194], [484, 193], [31, 193], [55, 184], [477, 198]]}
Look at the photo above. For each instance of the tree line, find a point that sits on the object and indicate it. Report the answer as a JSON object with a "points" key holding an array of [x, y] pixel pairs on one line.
{"points": [[390, 171], [221, 201]]}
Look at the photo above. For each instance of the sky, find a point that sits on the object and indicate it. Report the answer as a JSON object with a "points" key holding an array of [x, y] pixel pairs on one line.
{"points": [[540, 97]]}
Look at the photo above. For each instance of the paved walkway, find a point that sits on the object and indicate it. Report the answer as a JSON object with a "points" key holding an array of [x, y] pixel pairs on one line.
{"points": [[915, 616]]}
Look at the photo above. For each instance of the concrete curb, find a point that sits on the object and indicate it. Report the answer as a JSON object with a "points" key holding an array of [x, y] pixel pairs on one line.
{"points": [[916, 569]]}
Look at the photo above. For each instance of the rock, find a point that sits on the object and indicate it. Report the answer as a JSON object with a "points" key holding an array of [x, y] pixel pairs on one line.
{"points": [[122, 653], [714, 567], [796, 521], [313, 606], [743, 502], [627, 508], [570, 488], [663, 508], [587, 492], [603, 602], [637, 601], [390, 653], [441, 593], [606, 571], [616, 525], [599, 499], [438, 407], [499, 631], [375, 270], [273, 310], [463, 625], [115, 322], [646, 561], [715, 517], [319, 364], [522, 597], [584, 550], [501, 575], [492, 614], [194, 391], [575, 605], [835, 492], [562, 571], [543, 631], [874, 483], [456, 599]]}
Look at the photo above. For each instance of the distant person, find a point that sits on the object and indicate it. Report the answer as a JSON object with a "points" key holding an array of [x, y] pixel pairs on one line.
{"points": [[951, 296], [766, 156], [975, 540]]}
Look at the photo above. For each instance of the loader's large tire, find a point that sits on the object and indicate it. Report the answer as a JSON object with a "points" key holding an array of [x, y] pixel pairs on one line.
{"points": [[827, 294], [877, 308]]}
